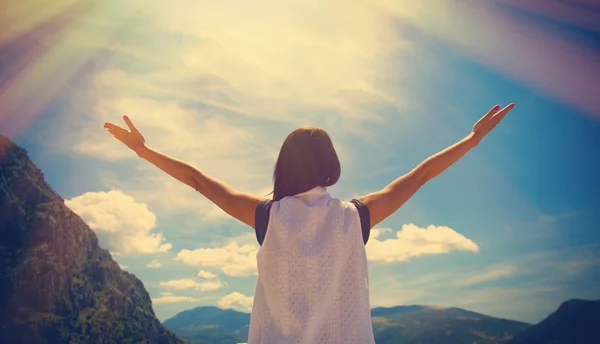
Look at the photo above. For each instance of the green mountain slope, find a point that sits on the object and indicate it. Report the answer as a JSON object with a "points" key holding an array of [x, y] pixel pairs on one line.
{"points": [[56, 284], [574, 322], [210, 325], [423, 324]]}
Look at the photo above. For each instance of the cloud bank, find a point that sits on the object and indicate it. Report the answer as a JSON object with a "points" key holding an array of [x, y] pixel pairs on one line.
{"points": [[122, 224], [236, 257], [236, 301], [414, 241]]}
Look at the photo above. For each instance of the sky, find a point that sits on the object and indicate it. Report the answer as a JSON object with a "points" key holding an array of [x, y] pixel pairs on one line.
{"points": [[511, 230]]}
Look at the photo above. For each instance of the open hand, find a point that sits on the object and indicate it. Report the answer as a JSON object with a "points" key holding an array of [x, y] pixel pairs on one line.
{"points": [[132, 138], [490, 120]]}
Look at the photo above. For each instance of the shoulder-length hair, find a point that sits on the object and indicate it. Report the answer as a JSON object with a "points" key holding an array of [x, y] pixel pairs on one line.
{"points": [[307, 159]]}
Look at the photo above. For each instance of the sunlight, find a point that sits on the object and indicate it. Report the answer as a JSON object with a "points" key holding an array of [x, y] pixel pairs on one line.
{"points": [[553, 64], [42, 57]]}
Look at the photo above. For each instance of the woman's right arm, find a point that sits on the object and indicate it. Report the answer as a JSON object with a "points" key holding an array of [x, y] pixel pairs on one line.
{"points": [[385, 202], [237, 204]]}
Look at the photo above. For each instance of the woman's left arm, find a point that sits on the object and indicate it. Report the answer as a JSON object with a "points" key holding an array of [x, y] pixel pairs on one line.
{"points": [[237, 204]]}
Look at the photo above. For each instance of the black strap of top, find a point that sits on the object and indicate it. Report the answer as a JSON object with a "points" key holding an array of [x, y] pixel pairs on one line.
{"points": [[365, 218], [263, 211], [261, 219]]}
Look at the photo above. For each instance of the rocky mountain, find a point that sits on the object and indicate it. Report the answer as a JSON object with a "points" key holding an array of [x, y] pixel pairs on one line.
{"points": [[574, 322], [396, 325], [56, 284]]}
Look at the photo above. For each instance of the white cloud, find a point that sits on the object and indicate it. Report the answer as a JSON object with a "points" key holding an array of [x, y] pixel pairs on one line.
{"points": [[155, 264], [376, 232], [189, 283], [180, 284], [122, 224], [490, 274], [210, 285], [206, 274], [236, 301], [236, 258], [413, 241], [170, 298]]}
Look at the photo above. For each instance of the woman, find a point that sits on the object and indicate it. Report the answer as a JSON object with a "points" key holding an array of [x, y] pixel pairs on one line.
{"points": [[312, 284]]}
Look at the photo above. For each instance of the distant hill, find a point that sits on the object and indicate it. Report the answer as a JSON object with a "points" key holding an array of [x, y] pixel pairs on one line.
{"points": [[574, 322], [56, 284], [210, 325], [402, 324], [426, 324]]}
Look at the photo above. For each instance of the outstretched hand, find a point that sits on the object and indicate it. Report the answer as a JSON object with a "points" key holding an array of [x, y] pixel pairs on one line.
{"points": [[132, 138], [490, 120]]}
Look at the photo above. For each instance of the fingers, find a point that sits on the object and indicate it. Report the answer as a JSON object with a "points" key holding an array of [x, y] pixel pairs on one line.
{"points": [[114, 128], [109, 125], [489, 114], [500, 114], [492, 111], [130, 124], [116, 131]]}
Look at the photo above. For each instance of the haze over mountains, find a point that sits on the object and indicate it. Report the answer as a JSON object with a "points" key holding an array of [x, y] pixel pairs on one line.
{"points": [[58, 286]]}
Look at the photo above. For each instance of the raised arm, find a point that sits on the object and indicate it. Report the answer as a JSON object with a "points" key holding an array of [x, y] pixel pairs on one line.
{"points": [[237, 204], [385, 202]]}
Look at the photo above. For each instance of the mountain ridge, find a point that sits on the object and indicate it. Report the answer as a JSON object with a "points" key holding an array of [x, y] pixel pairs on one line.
{"points": [[398, 324], [575, 321]]}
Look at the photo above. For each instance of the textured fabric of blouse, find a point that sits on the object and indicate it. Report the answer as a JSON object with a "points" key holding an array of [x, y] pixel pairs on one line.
{"points": [[312, 284]]}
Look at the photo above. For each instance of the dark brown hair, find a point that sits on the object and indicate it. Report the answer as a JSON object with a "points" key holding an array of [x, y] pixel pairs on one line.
{"points": [[307, 159]]}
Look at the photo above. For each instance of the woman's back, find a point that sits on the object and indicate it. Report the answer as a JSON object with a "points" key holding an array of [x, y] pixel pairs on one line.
{"points": [[312, 274]]}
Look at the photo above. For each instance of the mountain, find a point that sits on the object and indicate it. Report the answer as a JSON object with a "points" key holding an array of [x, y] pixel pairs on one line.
{"points": [[426, 324], [56, 284], [574, 322], [210, 325], [397, 325]]}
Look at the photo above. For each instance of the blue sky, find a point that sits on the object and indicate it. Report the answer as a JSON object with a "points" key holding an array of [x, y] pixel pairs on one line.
{"points": [[511, 230]]}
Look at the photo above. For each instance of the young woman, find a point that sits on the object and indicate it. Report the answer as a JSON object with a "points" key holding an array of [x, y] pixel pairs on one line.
{"points": [[312, 282]]}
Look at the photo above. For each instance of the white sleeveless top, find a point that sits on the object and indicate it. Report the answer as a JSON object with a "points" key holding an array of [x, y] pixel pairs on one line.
{"points": [[312, 284]]}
